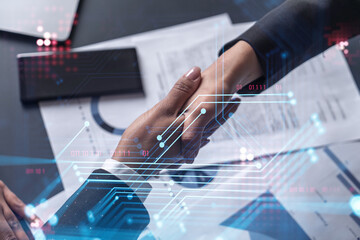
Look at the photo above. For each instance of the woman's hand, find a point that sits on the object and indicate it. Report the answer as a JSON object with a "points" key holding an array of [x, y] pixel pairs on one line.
{"points": [[153, 141], [239, 65]]}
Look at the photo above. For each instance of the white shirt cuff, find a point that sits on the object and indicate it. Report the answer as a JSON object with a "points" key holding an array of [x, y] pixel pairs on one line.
{"points": [[133, 179]]}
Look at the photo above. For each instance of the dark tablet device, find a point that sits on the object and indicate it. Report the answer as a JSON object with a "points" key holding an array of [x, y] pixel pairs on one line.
{"points": [[62, 75]]}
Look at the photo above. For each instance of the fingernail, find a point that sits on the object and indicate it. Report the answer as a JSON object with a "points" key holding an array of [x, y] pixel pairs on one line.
{"points": [[205, 142], [236, 99], [192, 74]]}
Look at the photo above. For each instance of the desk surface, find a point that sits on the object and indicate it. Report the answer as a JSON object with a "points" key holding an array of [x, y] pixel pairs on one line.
{"points": [[22, 129]]}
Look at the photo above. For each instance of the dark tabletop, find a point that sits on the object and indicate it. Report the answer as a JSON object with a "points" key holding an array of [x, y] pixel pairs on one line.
{"points": [[22, 132]]}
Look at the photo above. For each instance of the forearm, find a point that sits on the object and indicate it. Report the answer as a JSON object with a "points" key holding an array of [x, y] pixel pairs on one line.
{"points": [[298, 30], [237, 66]]}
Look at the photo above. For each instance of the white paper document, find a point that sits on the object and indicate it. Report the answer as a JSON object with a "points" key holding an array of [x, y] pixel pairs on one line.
{"points": [[281, 119], [80, 149], [304, 194]]}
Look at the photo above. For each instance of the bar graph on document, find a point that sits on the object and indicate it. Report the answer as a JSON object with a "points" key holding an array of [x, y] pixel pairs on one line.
{"points": [[319, 198], [296, 196]]}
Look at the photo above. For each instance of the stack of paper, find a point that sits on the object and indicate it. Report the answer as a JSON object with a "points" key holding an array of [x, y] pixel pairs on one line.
{"points": [[306, 108]]}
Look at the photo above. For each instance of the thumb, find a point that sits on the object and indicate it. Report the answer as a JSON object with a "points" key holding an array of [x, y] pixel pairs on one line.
{"points": [[196, 123], [183, 89]]}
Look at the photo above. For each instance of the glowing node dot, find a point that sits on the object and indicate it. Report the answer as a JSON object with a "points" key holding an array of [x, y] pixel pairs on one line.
{"points": [[346, 51], [81, 179], [231, 114], [293, 102], [314, 158], [355, 204], [250, 157], [314, 116], [203, 111], [159, 137], [161, 145], [40, 42], [171, 182], [75, 167], [322, 130], [47, 42], [171, 194], [242, 157], [77, 173], [188, 212], [53, 220], [156, 216], [29, 210], [86, 123], [310, 151], [40, 28], [290, 94], [116, 198], [159, 224], [243, 150], [130, 196], [258, 165], [90, 216], [47, 35]]}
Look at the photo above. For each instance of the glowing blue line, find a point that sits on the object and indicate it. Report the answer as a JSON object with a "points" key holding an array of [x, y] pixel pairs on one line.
{"points": [[180, 115], [181, 124], [178, 138], [72, 140]]}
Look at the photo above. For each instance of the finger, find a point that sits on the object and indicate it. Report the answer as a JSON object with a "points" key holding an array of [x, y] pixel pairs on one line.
{"points": [[222, 117], [14, 224], [19, 206], [183, 90], [175, 166], [199, 129], [204, 142], [5, 230], [14, 202]]}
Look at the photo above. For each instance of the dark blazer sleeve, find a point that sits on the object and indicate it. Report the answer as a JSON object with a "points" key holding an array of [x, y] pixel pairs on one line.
{"points": [[296, 31], [103, 207]]}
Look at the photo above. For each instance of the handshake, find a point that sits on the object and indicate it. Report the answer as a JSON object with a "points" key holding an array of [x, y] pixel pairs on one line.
{"points": [[172, 132]]}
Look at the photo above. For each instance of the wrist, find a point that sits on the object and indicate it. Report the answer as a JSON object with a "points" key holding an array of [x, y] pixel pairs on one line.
{"points": [[241, 65], [140, 164]]}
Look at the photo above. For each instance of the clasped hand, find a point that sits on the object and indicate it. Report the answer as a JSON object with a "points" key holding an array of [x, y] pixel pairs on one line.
{"points": [[159, 132]]}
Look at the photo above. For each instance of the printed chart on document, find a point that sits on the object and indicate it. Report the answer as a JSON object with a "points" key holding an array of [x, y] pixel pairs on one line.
{"points": [[311, 97], [84, 132], [305, 195], [316, 113]]}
